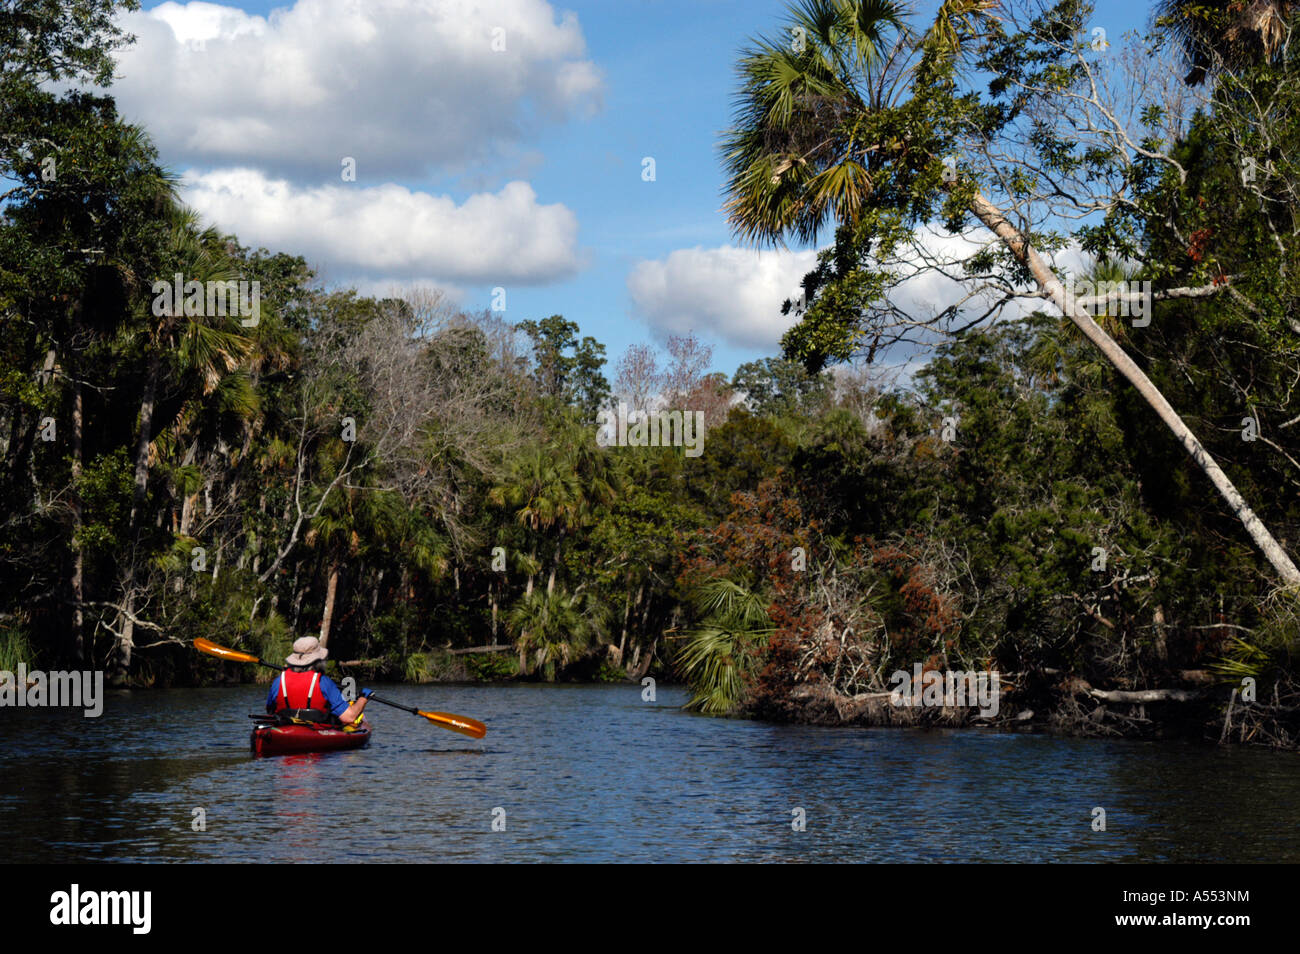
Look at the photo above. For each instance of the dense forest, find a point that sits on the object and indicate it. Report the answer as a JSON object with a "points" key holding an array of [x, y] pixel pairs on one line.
{"points": [[410, 481]]}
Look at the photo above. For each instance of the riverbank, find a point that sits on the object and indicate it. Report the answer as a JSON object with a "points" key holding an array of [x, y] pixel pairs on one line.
{"points": [[1197, 708], [1193, 706]]}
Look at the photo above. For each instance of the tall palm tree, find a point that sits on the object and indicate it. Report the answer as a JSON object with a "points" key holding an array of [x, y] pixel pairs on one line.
{"points": [[183, 354], [597, 484], [186, 349], [351, 517], [544, 491], [799, 155], [805, 150]]}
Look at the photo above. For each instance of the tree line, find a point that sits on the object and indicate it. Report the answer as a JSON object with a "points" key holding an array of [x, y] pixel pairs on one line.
{"points": [[1095, 506]]}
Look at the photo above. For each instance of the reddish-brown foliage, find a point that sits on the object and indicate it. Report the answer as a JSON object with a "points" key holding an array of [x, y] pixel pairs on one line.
{"points": [[826, 628]]}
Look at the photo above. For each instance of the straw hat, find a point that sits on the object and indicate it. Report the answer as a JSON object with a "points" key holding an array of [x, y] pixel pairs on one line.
{"points": [[306, 651]]}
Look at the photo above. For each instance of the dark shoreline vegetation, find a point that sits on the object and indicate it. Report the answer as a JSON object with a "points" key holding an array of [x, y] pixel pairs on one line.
{"points": [[423, 488]]}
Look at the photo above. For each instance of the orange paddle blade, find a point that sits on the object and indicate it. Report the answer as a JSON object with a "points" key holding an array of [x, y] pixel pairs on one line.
{"points": [[221, 652], [465, 726]]}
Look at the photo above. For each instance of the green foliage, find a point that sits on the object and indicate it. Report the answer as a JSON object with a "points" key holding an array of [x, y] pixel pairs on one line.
{"points": [[722, 651], [570, 378], [551, 628], [607, 673], [429, 666], [272, 643], [980, 548], [1243, 660], [415, 668], [15, 648], [491, 667], [775, 386], [787, 167]]}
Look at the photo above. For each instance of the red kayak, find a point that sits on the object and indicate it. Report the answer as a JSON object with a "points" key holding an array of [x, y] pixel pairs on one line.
{"points": [[292, 739]]}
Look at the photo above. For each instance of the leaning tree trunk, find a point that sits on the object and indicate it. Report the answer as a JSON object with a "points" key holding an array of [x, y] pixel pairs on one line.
{"points": [[1051, 286], [331, 590]]}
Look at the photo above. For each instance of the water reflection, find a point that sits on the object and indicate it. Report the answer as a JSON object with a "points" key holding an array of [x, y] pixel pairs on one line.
{"points": [[595, 774]]}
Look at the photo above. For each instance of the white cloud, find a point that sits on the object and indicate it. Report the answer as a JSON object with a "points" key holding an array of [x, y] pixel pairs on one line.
{"points": [[389, 232], [732, 293], [736, 294], [931, 278], [401, 85]]}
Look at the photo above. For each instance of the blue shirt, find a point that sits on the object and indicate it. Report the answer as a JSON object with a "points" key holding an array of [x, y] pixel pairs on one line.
{"points": [[333, 697]]}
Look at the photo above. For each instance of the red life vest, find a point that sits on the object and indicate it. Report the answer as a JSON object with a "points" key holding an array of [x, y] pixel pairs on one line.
{"points": [[300, 690]]}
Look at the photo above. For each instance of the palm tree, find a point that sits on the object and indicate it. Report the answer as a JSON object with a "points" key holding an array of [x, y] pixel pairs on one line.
{"points": [[350, 517], [799, 156], [597, 484], [183, 349], [422, 549], [804, 153], [1219, 35], [721, 651], [545, 492], [541, 489], [183, 353], [552, 627]]}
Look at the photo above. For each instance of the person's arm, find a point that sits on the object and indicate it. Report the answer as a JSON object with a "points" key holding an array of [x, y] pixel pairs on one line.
{"points": [[347, 714], [353, 712], [272, 693]]}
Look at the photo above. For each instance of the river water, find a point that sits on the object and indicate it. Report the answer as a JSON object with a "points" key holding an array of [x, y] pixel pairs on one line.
{"points": [[594, 773]]}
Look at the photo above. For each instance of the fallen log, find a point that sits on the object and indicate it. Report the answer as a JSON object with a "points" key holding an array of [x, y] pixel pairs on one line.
{"points": [[1143, 695]]}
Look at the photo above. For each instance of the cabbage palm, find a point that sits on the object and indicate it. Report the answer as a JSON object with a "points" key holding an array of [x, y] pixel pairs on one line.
{"points": [[801, 153], [186, 349], [544, 491], [722, 651], [349, 517], [551, 627], [810, 147], [186, 353]]}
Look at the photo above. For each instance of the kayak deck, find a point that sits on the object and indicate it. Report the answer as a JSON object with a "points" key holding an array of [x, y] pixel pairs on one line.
{"points": [[271, 739]]}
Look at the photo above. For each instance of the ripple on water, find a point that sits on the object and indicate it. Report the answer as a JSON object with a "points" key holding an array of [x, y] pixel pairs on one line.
{"points": [[591, 773]]}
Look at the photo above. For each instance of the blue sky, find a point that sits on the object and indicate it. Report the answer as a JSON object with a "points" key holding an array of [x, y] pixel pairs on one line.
{"points": [[522, 171]]}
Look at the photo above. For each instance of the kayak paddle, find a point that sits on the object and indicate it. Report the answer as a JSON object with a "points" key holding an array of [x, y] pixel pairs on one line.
{"points": [[462, 724]]}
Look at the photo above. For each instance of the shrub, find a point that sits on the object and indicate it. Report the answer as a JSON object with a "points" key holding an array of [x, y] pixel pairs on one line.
{"points": [[492, 667], [15, 648]]}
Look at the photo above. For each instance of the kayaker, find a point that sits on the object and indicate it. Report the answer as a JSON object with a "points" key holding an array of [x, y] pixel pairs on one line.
{"points": [[303, 691]]}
